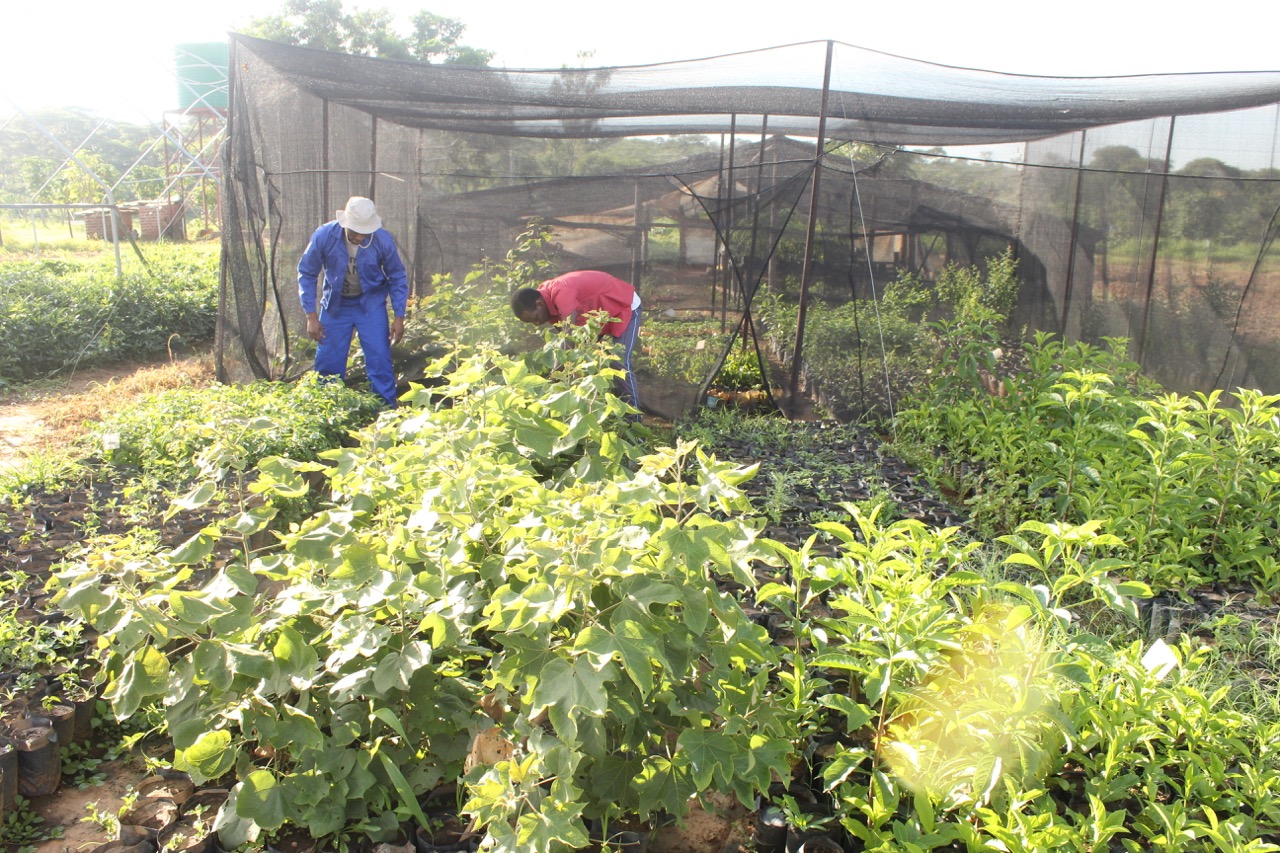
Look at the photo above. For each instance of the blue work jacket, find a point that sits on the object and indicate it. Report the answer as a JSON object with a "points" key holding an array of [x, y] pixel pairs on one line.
{"points": [[382, 273]]}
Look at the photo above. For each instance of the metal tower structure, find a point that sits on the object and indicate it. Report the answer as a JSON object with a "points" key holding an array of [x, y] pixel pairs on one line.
{"points": [[192, 135]]}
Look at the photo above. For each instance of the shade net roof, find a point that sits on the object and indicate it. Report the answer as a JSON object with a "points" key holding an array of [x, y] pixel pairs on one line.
{"points": [[1141, 206]]}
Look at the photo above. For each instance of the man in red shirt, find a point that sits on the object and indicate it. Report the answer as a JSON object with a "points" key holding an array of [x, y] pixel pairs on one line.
{"points": [[573, 296]]}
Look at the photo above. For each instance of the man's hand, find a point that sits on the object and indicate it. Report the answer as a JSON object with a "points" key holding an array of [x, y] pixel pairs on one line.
{"points": [[314, 329], [397, 330]]}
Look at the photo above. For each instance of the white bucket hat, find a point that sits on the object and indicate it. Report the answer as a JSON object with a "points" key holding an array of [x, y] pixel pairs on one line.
{"points": [[360, 215]]}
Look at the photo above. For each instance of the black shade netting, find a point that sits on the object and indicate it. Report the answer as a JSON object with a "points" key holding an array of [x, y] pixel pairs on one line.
{"points": [[1142, 207]]}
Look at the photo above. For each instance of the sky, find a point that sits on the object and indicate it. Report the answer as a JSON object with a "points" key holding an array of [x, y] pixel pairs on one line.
{"points": [[117, 59]]}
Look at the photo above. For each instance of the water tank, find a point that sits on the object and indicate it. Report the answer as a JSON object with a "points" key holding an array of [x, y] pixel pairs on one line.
{"points": [[202, 75]]}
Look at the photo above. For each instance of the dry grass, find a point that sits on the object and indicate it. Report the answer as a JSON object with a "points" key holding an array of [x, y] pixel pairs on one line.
{"points": [[52, 416]]}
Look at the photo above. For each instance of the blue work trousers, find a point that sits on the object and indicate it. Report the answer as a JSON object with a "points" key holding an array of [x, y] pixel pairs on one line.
{"points": [[631, 390], [347, 317]]}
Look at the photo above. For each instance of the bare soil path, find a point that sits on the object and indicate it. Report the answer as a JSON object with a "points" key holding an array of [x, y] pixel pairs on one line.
{"points": [[52, 416], [72, 808]]}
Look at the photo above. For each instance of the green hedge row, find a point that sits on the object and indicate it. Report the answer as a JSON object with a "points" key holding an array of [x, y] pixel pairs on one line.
{"points": [[58, 313]]}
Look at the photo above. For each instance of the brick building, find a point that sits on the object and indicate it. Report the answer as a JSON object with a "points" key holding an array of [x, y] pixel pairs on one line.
{"points": [[146, 220]]}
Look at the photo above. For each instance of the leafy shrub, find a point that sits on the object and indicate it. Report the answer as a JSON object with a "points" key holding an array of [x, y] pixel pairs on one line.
{"points": [[177, 434], [55, 314], [476, 312], [741, 370], [1187, 483], [512, 591], [510, 563], [27, 644], [508, 591], [866, 356]]}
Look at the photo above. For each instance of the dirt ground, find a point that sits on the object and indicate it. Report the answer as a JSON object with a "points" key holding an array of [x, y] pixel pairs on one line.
{"points": [[50, 416], [29, 424], [71, 807]]}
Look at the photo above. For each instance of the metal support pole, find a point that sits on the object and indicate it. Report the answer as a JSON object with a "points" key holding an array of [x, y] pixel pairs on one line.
{"points": [[730, 263], [1155, 244], [715, 257], [324, 158], [805, 270], [373, 158], [753, 269], [638, 241], [1075, 237]]}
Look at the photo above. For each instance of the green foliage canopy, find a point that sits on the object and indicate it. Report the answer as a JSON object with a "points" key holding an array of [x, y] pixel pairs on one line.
{"points": [[326, 25], [33, 170]]}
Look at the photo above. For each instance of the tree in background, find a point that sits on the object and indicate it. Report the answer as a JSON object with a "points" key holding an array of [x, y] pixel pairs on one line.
{"points": [[993, 178], [560, 156], [32, 170], [325, 25]]}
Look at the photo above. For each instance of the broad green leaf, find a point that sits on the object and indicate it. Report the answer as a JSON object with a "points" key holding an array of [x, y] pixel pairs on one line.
{"points": [[261, 800], [709, 756], [295, 657], [359, 566], [235, 623], [839, 531], [539, 439], [986, 776], [299, 730], [313, 789], [697, 613], [570, 689], [659, 787], [876, 682], [846, 762], [1020, 559], [253, 520], [243, 579], [196, 549], [841, 661], [773, 590], [186, 732], [856, 714], [1018, 616], [86, 598], [331, 533], [278, 476], [203, 492], [923, 805], [885, 795], [630, 644], [246, 660], [688, 546], [555, 825], [195, 608], [208, 758], [611, 776], [397, 668], [649, 592], [144, 676], [1135, 589], [232, 828]]}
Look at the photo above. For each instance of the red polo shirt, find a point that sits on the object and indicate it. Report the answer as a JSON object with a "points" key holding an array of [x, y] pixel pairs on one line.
{"points": [[575, 294]]}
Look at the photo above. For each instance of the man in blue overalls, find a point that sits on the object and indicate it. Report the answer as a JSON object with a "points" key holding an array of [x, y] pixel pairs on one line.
{"points": [[362, 268]]}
